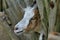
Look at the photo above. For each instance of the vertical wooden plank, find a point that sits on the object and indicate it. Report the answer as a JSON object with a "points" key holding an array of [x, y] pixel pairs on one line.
{"points": [[52, 16], [57, 27], [1, 7], [7, 33], [3, 34], [14, 11]]}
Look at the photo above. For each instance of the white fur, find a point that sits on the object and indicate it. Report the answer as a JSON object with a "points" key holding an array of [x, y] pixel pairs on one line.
{"points": [[40, 37], [41, 34]]}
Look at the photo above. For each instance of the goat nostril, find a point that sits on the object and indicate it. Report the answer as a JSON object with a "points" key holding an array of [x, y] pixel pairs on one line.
{"points": [[16, 29]]}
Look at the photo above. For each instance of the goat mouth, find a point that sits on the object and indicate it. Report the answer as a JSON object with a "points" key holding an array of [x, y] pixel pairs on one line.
{"points": [[20, 32]]}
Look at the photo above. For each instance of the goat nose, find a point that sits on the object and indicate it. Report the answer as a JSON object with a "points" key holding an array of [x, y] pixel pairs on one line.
{"points": [[16, 28]]}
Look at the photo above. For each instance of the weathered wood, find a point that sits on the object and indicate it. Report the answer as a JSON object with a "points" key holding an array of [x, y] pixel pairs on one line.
{"points": [[57, 27], [6, 32], [1, 5], [3, 34], [14, 11], [52, 16]]}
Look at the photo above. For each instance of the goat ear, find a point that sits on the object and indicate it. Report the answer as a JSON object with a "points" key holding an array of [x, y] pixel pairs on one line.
{"points": [[34, 5], [34, 2]]}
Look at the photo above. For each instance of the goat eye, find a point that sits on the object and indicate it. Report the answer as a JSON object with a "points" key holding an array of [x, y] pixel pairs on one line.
{"points": [[32, 18], [16, 28]]}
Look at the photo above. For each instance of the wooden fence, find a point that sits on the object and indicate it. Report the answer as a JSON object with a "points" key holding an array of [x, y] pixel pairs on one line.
{"points": [[50, 18]]}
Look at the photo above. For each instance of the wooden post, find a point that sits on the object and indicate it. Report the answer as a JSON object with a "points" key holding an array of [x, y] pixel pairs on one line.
{"points": [[48, 10], [44, 11], [13, 11], [6, 29], [1, 5], [57, 27]]}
